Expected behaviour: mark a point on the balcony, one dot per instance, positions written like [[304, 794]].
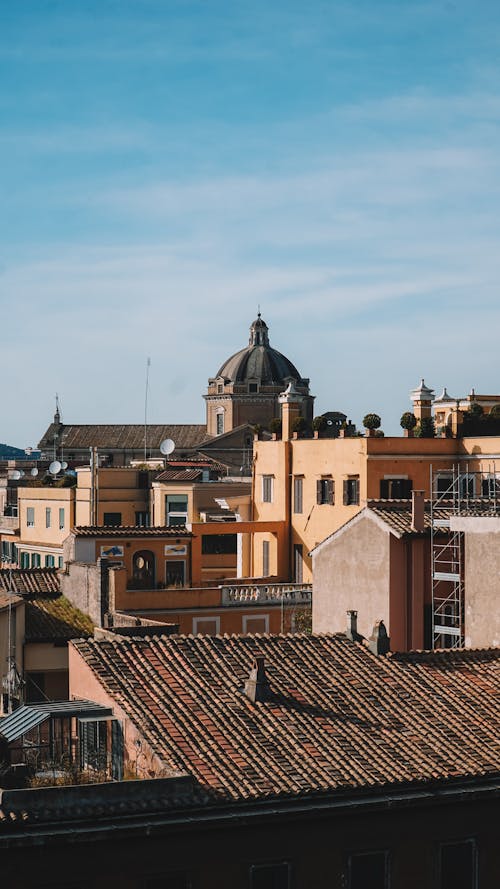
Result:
[[272, 594]]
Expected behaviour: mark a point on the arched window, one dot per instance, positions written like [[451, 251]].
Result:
[[143, 570], [220, 421]]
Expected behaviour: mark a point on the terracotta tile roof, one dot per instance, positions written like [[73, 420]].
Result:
[[179, 475], [7, 599], [397, 513], [130, 531], [338, 718], [126, 436], [30, 581], [55, 619]]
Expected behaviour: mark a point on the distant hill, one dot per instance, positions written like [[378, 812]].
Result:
[[7, 452]]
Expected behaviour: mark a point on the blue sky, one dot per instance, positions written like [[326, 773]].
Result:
[[166, 167]]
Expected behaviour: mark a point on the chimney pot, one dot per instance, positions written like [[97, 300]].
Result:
[[379, 642], [352, 626], [257, 685]]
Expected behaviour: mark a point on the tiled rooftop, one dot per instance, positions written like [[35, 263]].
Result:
[[179, 475], [127, 436], [397, 513], [130, 531], [30, 581], [338, 718], [55, 619]]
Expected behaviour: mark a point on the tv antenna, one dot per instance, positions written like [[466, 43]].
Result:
[[148, 365]]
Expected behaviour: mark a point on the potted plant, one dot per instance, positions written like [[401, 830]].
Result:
[[408, 422], [371, 422], [319, 424]]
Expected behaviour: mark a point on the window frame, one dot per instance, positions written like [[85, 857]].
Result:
[[268, 866], [48, 517], [266, 558], [30, 516], [112, 524], [325, 491], [247, 617], [267, 488], [365, 853], [62, 518], [198, 620], [298, 494], [467, 841], [351, 491]]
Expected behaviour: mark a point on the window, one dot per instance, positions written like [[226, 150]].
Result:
[[395, 488], [458, 865], [325, 491], [368, 869], [270, 876], [298, 485], [265, 558], [219, 544], [351, 491], [48, 517], [220, 422], [176, 509], [142, 519], [112, 519], [25, 560], [61, 519], [256, 623], [35, 560], [298, 563], [143, 570], [267, 488], [60, 561], [30, 516], [175, 572], [490, 487], [220, 388], [206, 626], [466, 485], [93, 747], [50, 561], [444, 484], [253, 387]]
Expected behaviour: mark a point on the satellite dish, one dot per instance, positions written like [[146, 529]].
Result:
[[54, 467], [16, 475], [64, 465], [21, 473], [34, 472], [167, 446]]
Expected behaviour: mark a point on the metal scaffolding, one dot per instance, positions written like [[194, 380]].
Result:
[[455, 491]]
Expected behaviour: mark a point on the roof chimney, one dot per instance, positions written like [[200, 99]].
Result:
[[257, 686], [417, 511], [379, 642], [352, 627]]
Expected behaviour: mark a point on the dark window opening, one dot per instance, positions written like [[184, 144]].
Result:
[[458, 868], [143, 570], [270, 876], [351, 491], [298, 563], [395, 488], [175, 573], [325, 491], [112, 519], [369, 869], [219, 544]]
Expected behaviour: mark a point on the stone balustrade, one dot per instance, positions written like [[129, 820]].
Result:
[[289, 593]]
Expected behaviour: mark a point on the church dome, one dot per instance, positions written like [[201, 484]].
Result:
[[259, 361]]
